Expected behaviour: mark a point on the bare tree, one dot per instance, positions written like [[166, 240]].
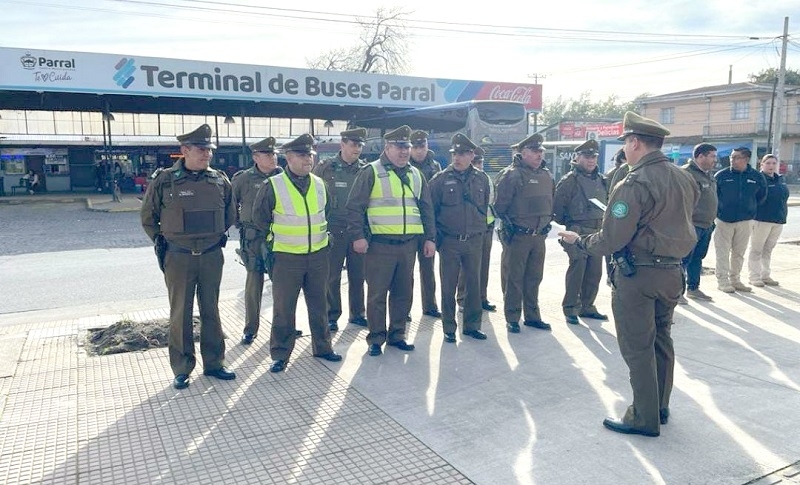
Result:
[[381, 48]]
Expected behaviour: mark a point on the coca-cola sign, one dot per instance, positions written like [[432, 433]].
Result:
[[528, 94]]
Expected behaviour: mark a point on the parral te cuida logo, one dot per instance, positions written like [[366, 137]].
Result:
[[31, 62], [125, 68]]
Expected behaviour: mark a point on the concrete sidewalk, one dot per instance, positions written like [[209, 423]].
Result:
[[94, 201], [521, 408]]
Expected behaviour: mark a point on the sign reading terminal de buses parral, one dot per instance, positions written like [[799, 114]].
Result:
[[38, 70]]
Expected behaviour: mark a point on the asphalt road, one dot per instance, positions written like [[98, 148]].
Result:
[[55, 256]]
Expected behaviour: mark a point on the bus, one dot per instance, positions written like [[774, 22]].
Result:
[[494, 125]]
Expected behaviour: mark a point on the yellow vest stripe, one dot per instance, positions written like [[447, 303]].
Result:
[[393, 208], [298, 222]]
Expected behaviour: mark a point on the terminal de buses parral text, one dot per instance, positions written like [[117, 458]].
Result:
[[279, 84]]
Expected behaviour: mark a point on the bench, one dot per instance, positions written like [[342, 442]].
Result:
[[23, 185]]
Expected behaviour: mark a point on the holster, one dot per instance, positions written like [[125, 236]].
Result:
[[160, 248]]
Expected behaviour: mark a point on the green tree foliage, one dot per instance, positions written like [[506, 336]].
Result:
[[381, 48], [584, 108], [771, 74]]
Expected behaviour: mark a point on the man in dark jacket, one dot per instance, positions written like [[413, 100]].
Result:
[[740, 189]]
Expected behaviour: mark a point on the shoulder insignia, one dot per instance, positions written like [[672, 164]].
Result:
[[619, 210]]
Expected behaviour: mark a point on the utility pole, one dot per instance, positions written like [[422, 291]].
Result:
[[536, 77], [777, 134]]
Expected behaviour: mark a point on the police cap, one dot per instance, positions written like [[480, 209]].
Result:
[[399, 136], [479, 153], [358, 135], [419, 138], [267, 145], [461, 144], [590, 147], [200, 137], [534, 142], [634, 124], [302, 144]]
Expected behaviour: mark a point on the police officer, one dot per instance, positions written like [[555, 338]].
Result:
[[488, 237], [460, 196], [291, 208], [339, 173], [422, 159], [580, 200], [648, 227], [388, 211], [186, 211], [245, 186], [524, 203]]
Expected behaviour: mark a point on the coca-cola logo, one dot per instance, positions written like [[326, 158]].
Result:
[[520, 94]]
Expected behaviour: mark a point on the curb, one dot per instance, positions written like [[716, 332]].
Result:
[[116, 207]]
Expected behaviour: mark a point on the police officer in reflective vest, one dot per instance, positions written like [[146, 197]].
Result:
[[422, 159], [460, 196], [339, 173], [524, 203], [580, 200], [245, 186], [648, 227], [186, 211], [488, 238], [389, 209], [291, 209]]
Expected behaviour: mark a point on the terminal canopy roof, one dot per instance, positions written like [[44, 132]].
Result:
[[75, 81]]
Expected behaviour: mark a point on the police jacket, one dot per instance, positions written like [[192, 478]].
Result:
[[339, 177], [650, 213], [429, 166], [706, 209], [524, 196], [774, 207], [572, 205], [739, 193], [191, 209], [266, 200], [359, 201], [460, 201], [245, 184]]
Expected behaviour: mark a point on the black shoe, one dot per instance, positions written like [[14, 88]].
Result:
[[488, 306], [181, 381], [330, 357], [332, 325], [663, 415], [512, 327], [435, 313], [402, 345], [375, 349], [476, 334], [595, 316], [247, 338], [408, 317], [537, 324], [572, 320], [620, 427], [360, 321], [221, 373], [278, 366], [450, 337], [298, 333]]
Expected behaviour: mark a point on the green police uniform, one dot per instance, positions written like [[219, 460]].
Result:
[[192, 210], [649, 216], [574, 209], [460, 202], [292, 211], [524, 203], [246, 184], [428, 167], [391, 207], [339, 177]]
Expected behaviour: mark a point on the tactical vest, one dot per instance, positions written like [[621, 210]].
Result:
[[298, 222], [392, 204], [194, 208], [533, 206], [580, 208]]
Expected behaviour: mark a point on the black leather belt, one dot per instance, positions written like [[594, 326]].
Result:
[[172, 247], [390, 241], [655, 261], [464, 237], [525, 230]]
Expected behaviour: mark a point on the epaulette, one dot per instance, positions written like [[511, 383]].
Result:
[[156, 173], [630, 177]]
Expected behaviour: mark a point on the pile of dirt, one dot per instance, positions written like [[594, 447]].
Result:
[[130, 336]]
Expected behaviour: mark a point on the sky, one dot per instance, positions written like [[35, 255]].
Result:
[[623, 48]]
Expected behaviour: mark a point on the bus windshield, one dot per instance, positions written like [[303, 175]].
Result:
[[500, 113]]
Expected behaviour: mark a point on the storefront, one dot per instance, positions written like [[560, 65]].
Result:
[[50, 164]]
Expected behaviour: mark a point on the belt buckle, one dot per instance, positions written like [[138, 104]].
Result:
[[196, 253], [463, 237]]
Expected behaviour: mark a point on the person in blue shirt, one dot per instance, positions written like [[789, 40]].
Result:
[[768, 223]]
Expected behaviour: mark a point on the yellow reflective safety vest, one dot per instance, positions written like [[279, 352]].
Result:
[[393, 208], [490, 209], [298, 222]]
